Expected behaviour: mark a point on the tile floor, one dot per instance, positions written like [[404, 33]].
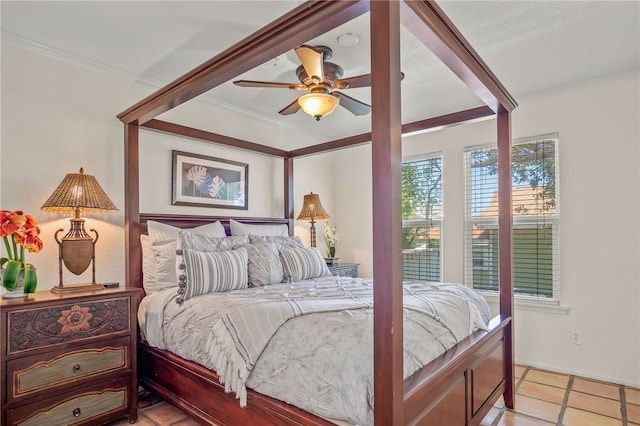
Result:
[[543, 398]]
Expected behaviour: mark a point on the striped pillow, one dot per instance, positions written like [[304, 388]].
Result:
[[303, 263], [209, 272]]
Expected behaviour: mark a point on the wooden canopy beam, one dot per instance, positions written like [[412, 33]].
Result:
[[190, 132], [442, 38]]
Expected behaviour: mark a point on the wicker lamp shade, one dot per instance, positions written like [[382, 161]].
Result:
[[79, 191], [312, 210]]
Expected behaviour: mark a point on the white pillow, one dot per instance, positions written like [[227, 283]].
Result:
[[238, 228], [163, 238], [303, 263], [148, 265], [209, 272]]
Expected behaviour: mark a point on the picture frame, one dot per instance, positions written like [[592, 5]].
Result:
[[203, 181]]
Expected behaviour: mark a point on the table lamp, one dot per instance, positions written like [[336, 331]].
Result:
[[312, 210], [78, 193]]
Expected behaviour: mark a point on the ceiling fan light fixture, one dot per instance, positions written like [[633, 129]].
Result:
[[318, 105]]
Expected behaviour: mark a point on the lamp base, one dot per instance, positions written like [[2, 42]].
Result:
[[76, 288]]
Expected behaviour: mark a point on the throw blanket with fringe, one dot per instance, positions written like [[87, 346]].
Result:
[[236, 326]]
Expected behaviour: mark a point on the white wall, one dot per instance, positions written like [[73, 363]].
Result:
[[58, 117], [599, 159]]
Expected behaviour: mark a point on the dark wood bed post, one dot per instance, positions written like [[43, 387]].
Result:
[[133, 250], [386, 153], [505, 225], [288, 192]]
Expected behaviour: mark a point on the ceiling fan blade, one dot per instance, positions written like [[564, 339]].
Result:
[[312, 62], [272, 84], [292, 108], [358, 81], [352, 82], [355, 106]]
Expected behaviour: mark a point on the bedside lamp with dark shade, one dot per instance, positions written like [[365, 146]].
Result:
[[78, 193], [312, 210]]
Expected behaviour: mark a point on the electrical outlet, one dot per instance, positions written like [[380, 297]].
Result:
[[576, 337]]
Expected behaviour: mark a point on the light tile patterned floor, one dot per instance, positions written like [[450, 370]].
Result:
[[543, 398], [546, 398]]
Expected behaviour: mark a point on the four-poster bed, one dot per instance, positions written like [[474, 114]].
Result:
[[458, 387]]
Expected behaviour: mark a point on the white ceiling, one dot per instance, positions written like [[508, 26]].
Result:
[[531, 46]]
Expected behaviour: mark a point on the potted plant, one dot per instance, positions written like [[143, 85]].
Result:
[[19, 232]]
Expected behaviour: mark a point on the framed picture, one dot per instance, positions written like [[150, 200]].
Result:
[[204, 181]]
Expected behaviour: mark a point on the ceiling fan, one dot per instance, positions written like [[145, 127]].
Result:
[[321, 80]]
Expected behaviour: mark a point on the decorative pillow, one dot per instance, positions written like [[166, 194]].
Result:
[[264, 264], [194, 241], [303, 263], [163, 238], [208, 272], [191, 241], [148, 265], [279, 241], [161, 232], [238, 228]]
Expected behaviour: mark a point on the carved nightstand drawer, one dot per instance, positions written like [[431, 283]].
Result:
[[29, 375], [35, 328], [86, 407]]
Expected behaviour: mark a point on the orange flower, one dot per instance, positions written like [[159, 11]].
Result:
[[27, 235], [10, 222], [75, 319]]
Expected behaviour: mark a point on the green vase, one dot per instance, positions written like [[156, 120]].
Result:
[[332, 252], [18, 279], [30, 278]]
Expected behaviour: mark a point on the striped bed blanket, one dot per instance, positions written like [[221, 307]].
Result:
[[228, 332]]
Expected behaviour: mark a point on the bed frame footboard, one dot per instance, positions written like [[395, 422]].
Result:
[[461, 386]]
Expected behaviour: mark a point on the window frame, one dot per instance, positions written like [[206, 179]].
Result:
[[519, 222]]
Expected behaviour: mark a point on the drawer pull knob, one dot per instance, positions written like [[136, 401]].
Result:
[[76, 368], [76, 412]]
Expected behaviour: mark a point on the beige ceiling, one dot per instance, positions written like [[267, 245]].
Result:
[[531, 46]]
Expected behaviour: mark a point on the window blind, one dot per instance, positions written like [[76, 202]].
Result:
[[422, 218], [535, 217]]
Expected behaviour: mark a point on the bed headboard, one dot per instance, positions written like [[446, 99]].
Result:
[[191, 221]]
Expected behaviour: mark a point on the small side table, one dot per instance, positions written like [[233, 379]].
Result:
[[345, 270]]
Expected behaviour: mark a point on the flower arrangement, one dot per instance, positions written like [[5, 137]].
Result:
[[331, 237], [19, 232]]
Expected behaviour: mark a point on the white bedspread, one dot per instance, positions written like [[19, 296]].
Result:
[[308, 343]]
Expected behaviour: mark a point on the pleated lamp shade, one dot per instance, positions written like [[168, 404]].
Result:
[[312, 208]]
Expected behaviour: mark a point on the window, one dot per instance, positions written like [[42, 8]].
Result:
[[421, 218], [535, 218]]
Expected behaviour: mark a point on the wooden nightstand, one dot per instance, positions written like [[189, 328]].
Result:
[[69, 359], [345, 270]]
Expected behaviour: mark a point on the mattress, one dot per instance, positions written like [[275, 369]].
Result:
[[308, 343]]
